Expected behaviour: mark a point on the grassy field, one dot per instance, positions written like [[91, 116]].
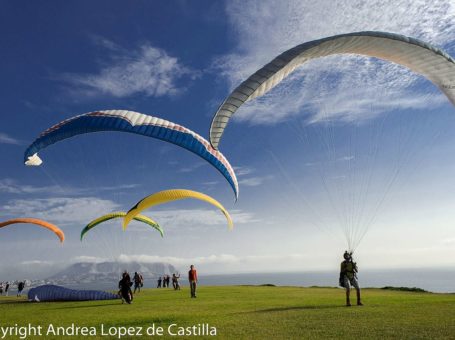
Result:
[[251, 312]]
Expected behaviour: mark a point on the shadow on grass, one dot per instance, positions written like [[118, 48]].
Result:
[[88, 306], [284, 309], [13, 302]]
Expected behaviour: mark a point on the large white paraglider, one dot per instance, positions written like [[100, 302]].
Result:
[[420, 57], [342, 160]]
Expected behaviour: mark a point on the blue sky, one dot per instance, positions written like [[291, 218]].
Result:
[[300, 178]]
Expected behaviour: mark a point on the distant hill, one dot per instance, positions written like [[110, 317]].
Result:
[[86, 272]]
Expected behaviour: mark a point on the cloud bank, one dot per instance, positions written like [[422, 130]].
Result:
[[60, 210]]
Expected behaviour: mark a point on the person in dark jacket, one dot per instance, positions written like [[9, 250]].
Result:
[[124, 286], [348, 278], [20, 288], [137, 278]]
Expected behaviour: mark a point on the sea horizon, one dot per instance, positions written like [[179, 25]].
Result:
[[441, 280]]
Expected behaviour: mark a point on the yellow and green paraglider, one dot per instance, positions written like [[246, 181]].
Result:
[[107, 217], [169, 196], [56, 230]]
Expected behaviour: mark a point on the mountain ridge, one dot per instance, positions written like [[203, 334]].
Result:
[[87, 272]]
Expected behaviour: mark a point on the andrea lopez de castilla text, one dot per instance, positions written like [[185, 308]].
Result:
[[118, 331]]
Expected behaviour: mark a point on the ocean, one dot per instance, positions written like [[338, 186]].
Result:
[[438, 281]]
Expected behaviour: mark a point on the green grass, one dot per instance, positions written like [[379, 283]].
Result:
[[256, 312]]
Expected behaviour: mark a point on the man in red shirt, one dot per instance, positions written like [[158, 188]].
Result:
[[192, 277]]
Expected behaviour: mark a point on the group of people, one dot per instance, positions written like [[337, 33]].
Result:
[[165, 280], [126, 283], [348, 279], [192, 278], [5, 286]]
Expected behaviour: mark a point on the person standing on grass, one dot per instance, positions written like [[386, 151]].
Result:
[[125, 288], [6, 288], [175, 281], [192, 277], [20, 288], [348, 278], [159, 283], [137, 282]]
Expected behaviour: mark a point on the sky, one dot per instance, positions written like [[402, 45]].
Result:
[[346, 145]]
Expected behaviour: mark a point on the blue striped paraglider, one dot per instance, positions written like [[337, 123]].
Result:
[[137, 123]]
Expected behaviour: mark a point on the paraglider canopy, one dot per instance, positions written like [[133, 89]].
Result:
[[107, 217], [137, 123], [169, 196], [420, 57], [37, 222]]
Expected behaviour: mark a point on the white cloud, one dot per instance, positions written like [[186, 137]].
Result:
[[223, 258], [60, 210], [199, 218], [219, 259], [230, 263], [91, 259], [6, 139], [11, 186], [113, 187], [192, 168], [254, 181], [345, 158], [145, 258], [243, 170], [37, 263], [147, 70], [340, 87]]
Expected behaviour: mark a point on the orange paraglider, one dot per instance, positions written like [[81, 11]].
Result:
[[38, 222]]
